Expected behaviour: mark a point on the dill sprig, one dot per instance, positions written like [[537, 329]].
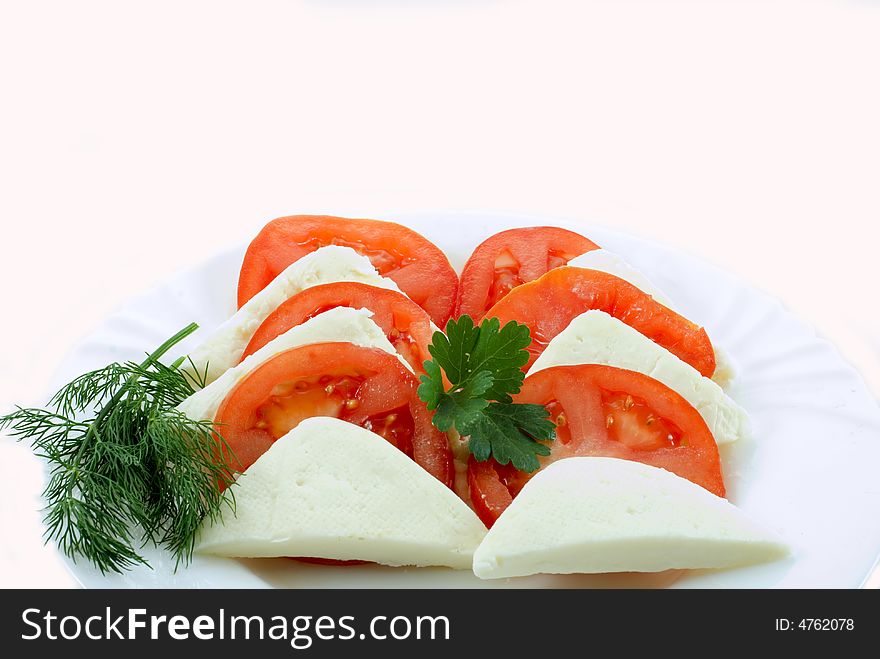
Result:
[[126, 467]]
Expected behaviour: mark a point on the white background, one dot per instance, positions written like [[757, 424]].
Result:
[[140, 138]]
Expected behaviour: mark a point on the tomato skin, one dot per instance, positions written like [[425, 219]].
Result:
[[416, 265], [384, 386], [583, 395], [548, 304], [406, 324], [510, 258], [314, 560], [489, 496]]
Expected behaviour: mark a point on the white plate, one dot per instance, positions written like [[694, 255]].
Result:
[[811, 473]]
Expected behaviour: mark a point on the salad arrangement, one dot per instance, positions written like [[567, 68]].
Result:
[[547, 411]]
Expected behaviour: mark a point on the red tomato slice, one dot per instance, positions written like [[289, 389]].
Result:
[[364, 386], [607, 412], [314, 560], [510, 258], [548, 304], [415, 264], [406, 324]]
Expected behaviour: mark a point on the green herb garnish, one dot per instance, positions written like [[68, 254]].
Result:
[[484, 367], [134, 469]]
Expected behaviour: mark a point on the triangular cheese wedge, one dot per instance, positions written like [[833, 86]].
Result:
[[330, 489], [591, 515], [594, 337]]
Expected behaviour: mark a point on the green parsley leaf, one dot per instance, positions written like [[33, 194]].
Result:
[[478, 384], [465, 351], [431, 389], [504, 431], [451, 351], [483, 366], [458, 410], [533, 420], [503, 353]]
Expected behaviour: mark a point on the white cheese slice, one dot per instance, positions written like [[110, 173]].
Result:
[[224, 348], [335, 325], [591, 515], [330, 489], [614, 264], [595, 337]]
